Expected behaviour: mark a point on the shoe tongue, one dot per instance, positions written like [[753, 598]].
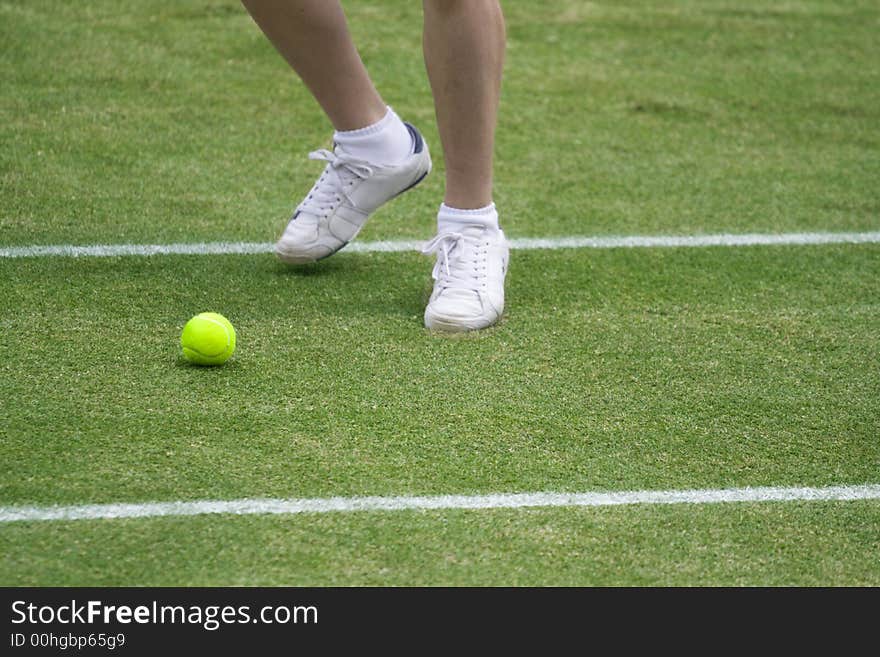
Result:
[[461, 300]]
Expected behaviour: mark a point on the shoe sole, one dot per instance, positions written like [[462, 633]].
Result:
[[445, 325]]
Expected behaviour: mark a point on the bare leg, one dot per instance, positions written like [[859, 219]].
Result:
[[313, 37], [464, 53]]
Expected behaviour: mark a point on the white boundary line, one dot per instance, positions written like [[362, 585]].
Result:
[[440, 502], [632, 241]]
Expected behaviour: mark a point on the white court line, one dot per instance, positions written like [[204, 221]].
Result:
[[439, 502], [631, 241]]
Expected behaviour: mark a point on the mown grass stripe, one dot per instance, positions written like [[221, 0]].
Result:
[[439, 502], [552, 243]]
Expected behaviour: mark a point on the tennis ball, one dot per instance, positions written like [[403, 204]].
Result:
[[208, 339]]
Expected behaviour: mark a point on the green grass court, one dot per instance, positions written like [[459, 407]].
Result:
[[162, 122]]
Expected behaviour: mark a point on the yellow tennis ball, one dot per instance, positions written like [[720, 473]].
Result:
[[208, 339]]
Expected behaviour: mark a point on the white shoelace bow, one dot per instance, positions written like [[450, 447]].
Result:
[[461, 261], [341, 172]]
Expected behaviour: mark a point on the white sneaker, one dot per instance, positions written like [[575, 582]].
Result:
[[468, 279], [343, 198]]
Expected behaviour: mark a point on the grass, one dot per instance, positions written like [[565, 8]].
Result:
[[762, 545], [152, 121], [612, 370], [691, 371]]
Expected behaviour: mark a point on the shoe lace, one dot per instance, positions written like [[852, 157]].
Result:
[[461, 261], [342, 171]]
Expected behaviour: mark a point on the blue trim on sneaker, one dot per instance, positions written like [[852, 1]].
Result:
[[418, 142]]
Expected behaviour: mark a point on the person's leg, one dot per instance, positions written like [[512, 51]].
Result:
[[313, 36], [464, 53], [464, 44], [375, 157]]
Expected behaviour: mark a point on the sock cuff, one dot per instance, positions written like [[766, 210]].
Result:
[[450, 217], [371, 129], [385, 143], [446, 210]]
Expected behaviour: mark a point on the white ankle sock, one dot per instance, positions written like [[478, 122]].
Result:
[[385, 142], [449, 219]]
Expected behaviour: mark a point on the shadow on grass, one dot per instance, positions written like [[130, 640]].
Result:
[[321, 268], [348, 286], [182, 363], [360, 285]]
